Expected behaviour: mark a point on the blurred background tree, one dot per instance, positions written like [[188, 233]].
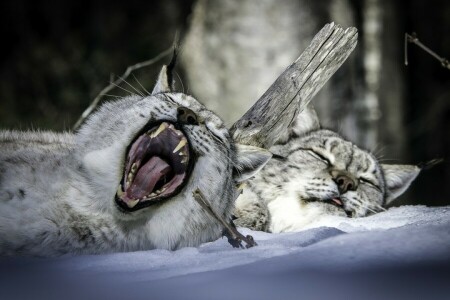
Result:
[[56, 57]]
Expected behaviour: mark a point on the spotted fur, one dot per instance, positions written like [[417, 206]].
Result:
[[296, 188]]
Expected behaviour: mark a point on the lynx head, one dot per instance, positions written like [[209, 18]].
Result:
[[143, 157], [326, 172]]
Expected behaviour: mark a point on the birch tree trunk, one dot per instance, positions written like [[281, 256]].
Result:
[[391, 92], [369, 106], [235, 49]]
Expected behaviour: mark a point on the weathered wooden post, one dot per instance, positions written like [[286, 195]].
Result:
[[271, 115]]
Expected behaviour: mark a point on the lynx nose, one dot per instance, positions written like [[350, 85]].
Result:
[[344, 181], [186, 116]]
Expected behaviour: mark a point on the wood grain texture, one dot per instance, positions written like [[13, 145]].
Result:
[[270, 116]]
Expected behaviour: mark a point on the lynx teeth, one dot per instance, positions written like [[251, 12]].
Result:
[[132, 203], [161, 128], [133, 168], [161, 190], [119, 191], [180, 145], [129, 177]]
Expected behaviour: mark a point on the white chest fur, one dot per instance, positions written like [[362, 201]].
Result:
[[288, 214]]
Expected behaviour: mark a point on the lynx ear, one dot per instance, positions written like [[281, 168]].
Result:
[[305, 122], [165, 81], [398, 178], [163, 84], [250, 160]]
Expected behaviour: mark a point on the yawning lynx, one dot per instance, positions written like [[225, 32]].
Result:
[[124, 182], [316, 173]]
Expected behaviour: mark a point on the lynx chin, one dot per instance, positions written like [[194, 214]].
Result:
[[124, 181], [316, 174]]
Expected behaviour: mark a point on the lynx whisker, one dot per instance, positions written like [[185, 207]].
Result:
[[135, 78], [124, 89], [383, 160], [354, 201], [110, 95], [378, 152], [181, 82], [129, 84]]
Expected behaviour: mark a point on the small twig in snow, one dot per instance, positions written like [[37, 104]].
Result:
[[234, 237], [412, 38]]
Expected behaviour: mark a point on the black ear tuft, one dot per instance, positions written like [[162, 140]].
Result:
[[429, 164], [173, 61], [165, 82]]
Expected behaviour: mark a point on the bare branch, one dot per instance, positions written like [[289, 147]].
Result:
[[412, 38], [117, 82]]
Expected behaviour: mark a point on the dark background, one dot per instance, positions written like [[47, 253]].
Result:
[[57, 56]]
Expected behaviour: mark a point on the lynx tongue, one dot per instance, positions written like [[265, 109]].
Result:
[[147, 177], [337, 201]]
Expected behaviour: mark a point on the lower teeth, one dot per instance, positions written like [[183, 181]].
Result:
[[119, 191], [132, 203]]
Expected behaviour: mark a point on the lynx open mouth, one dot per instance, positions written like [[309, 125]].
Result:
[[340, 204], [156, 168], [335, 201]]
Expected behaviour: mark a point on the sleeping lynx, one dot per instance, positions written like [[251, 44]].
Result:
[[124, 182], [315, 174]]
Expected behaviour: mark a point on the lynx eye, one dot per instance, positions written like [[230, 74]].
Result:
[[368, 182], [319, 156]]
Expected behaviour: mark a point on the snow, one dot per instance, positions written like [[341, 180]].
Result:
[[403, 253]]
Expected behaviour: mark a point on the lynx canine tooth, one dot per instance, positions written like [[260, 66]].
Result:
[[161, 128], [119, 191], [129, 177], [180, 145], [133, 168], [184, 160], [132, 203]]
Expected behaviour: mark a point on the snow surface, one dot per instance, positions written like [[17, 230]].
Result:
[[403, 253]]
